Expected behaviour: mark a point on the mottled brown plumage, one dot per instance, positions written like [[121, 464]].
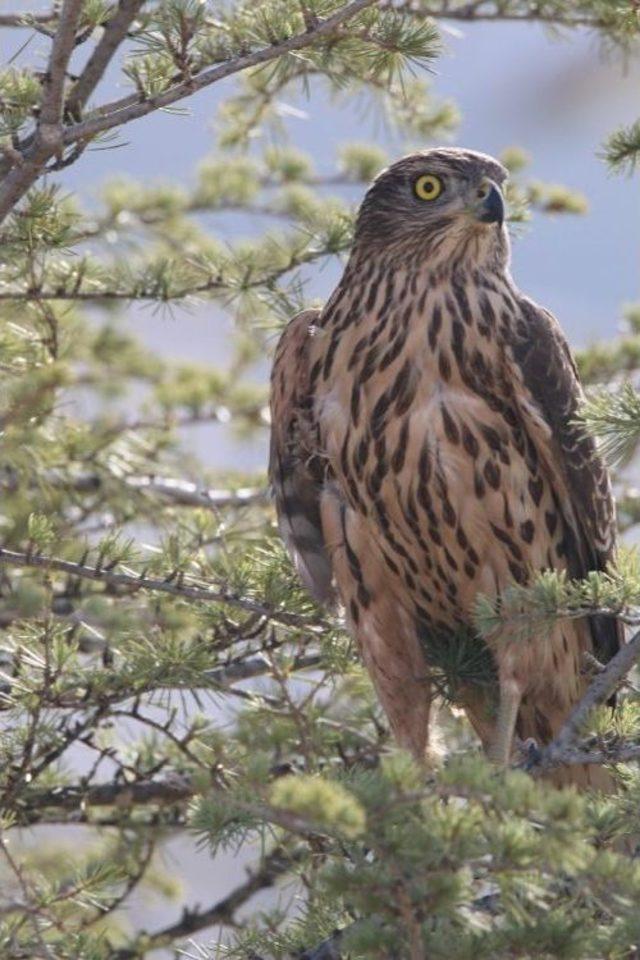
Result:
[[425, 450]]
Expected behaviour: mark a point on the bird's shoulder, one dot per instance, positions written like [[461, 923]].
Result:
[[549, 375], [291, 360], [543, 353], [290, 374]]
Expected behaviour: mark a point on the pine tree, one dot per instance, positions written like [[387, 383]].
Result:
[[133, 598]]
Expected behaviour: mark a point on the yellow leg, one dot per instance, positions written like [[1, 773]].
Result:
[[502, 742]]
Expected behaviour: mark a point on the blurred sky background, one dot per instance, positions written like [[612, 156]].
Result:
[[515, 84], [555, 94]]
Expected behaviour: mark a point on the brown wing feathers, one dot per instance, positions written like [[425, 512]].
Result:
[[295, 469], [550, 375]]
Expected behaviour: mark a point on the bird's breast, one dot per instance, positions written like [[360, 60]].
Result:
[[421, 428], [420, 381]]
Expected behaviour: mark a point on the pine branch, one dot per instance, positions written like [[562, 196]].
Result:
[[122, 795], [51, 135], [179, 420], [628, 507], [560, 750], [223, 204], [614, 418], [48, 140], [215, 284], [27, 19], [222, 678], [257, 667], [622, 149], [176, 588], [185, 494], [115, 32], [35, 912], [478, 11], [329, 949], [274, 866], [174, 490]]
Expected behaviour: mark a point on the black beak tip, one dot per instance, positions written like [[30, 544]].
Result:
[[492, 208]]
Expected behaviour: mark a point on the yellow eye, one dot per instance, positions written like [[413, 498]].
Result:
[[428, 187]]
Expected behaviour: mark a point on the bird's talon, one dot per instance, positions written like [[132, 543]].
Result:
[[530, 752]]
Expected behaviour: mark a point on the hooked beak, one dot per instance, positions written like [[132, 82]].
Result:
[[489, 206]]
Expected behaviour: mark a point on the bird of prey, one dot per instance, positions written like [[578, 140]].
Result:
[[425, 449]]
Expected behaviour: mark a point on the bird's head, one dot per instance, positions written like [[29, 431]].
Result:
[[445, 205]]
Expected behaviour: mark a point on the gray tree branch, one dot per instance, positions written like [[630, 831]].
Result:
[[561, 750], [122, 795], [48, 141], [184, 493], [480, 11], [114, 33], [52, 135], [619, 753], [27, 19], [468, 12], [274, 866], [116, 114], [61, 50]]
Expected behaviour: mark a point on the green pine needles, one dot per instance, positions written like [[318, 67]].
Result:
[[162, 673]]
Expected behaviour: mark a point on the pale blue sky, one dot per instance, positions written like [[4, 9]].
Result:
[[514, 84]]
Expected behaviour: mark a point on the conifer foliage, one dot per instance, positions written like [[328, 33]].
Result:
[[162, 673]]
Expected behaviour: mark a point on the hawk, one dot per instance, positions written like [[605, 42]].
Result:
[[425, 450]]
